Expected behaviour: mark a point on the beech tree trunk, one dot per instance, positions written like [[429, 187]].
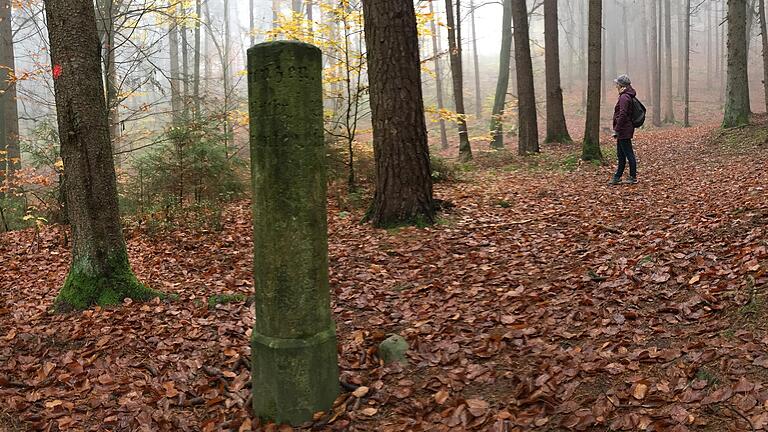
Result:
[[454, 46], [196, 79], [476, 60], [591, 144], [175, 75], [654, 52], [737, 86], [10, 156], [765, 51], [502, 85], [100, 272], [528, 136], [438, 76], [687, 62], [669, 112], [403, 178], [557, 131]]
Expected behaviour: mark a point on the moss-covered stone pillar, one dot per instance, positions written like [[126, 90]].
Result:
[[295, 365]]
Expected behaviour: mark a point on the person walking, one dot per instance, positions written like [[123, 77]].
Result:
[[624, 130]]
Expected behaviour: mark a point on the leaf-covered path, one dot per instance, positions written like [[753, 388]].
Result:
[[545, 300]]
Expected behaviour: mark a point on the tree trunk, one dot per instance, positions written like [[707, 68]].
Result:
[[403, 179], [765, 51], [669, 113], [557, 131], [737, 87], [196, 85], [10, 156], [184, 66], [655, 83], [252, 23], [454, 46], [709, 44], [528, 136], [687, 63], [502, 85], [227, 78], [106, 30], [476, 59], [644, 47], [296, 6], [176, 103], [591, 145], [438, 77], [100, 272]]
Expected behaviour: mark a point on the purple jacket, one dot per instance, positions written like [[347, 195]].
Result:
[[622, 115]]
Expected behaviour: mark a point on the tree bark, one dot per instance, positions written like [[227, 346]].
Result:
[[403, 178], [476, 60], [10, 156], [184, 66], [655, 83], [227, 78], [764, 34], [687, 63], [251, 23], [173, 40], [557, 131], [196, 79], [591, 144], [502, 85], [737, 86], [438, 76], [709, 44], [454, 46], [100, 272], [669, 112], [528, 136]]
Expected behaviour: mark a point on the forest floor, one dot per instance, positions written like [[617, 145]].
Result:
[[545, 300]]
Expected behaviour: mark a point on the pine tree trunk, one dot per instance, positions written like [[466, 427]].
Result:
[[655, 82], [100, 272], [557, 131], [669, 113], [591, 145], [502, 85], [454, 46], [476, 60], [687, 62], [438, 76], [764, 34], [528, 136], [10, 156], [737, 87], [403, 178]]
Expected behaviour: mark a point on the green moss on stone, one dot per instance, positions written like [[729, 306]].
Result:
[[86, 286]]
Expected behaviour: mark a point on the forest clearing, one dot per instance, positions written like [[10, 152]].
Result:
[[521, 312]]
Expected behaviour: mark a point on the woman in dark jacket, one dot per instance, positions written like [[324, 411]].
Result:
[[624, 130]]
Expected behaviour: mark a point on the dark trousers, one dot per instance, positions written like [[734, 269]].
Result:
[[625, 153]]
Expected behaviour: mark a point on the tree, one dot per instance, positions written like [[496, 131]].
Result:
[[591, 144], [669, 112], [765, 51], [528, 137], [655, 69], [687, 62], [438, 75], [476, 61], [403, 178], [497, 126], [10, 156], [454, 46], [557, 131], [737, 87], [100, 272]]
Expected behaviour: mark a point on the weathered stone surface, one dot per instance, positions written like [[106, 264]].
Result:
[[393, 349], [295, 366]]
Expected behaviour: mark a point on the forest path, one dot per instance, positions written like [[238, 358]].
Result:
[[545, 300]]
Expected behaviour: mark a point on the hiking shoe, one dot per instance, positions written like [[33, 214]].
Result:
[[615, 181], [631, 180]]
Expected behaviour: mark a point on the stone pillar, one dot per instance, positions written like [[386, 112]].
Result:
[[293, 347]]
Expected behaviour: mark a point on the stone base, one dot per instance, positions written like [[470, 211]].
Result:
[[293, 379]]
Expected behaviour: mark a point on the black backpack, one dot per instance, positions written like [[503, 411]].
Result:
[[638, 113]]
